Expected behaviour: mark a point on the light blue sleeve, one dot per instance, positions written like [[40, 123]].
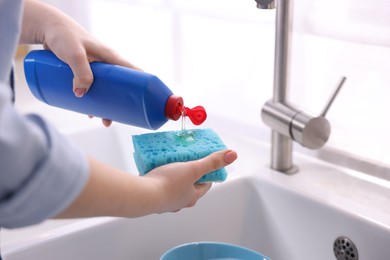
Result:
[[41, 172]]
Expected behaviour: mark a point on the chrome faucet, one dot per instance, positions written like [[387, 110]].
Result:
[[288, 123]]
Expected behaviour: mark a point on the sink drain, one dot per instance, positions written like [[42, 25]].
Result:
[[345, 249]]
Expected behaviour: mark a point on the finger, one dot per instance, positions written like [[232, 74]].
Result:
[[213, 162], [83, 77], [106, 122], [203, 188]]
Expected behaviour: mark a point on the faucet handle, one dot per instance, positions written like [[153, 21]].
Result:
[[333, 97], [313, 132], [310, 131]]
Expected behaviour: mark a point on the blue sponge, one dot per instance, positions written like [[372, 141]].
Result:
[[155, 149]]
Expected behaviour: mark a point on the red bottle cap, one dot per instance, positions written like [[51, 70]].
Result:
[[197, 114], [174, 108]]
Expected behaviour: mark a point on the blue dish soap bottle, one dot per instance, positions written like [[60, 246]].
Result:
[[118, 93]]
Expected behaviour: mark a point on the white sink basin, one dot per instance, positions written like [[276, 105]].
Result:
[[284, 217]]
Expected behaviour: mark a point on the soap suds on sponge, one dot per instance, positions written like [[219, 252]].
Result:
[[156, 149]]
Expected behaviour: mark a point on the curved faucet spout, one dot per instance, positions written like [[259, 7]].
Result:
[[288, 123]]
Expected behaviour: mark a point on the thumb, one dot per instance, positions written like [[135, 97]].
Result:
[[213, 162], [83, 77]]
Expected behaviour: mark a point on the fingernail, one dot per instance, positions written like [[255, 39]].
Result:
[[230, 156], [79, 92]]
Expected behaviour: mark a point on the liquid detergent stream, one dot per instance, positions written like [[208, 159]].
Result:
[[183, 122], [197, 116]]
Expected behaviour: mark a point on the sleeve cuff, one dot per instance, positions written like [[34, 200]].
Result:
[[58, 179]]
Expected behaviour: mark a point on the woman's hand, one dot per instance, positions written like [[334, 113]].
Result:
[[44, 24], [175, 183], [169, 188]]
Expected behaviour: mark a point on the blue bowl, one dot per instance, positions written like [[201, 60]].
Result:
[[211, 251]]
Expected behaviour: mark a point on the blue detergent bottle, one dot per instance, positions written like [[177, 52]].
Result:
[[118, 93]]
